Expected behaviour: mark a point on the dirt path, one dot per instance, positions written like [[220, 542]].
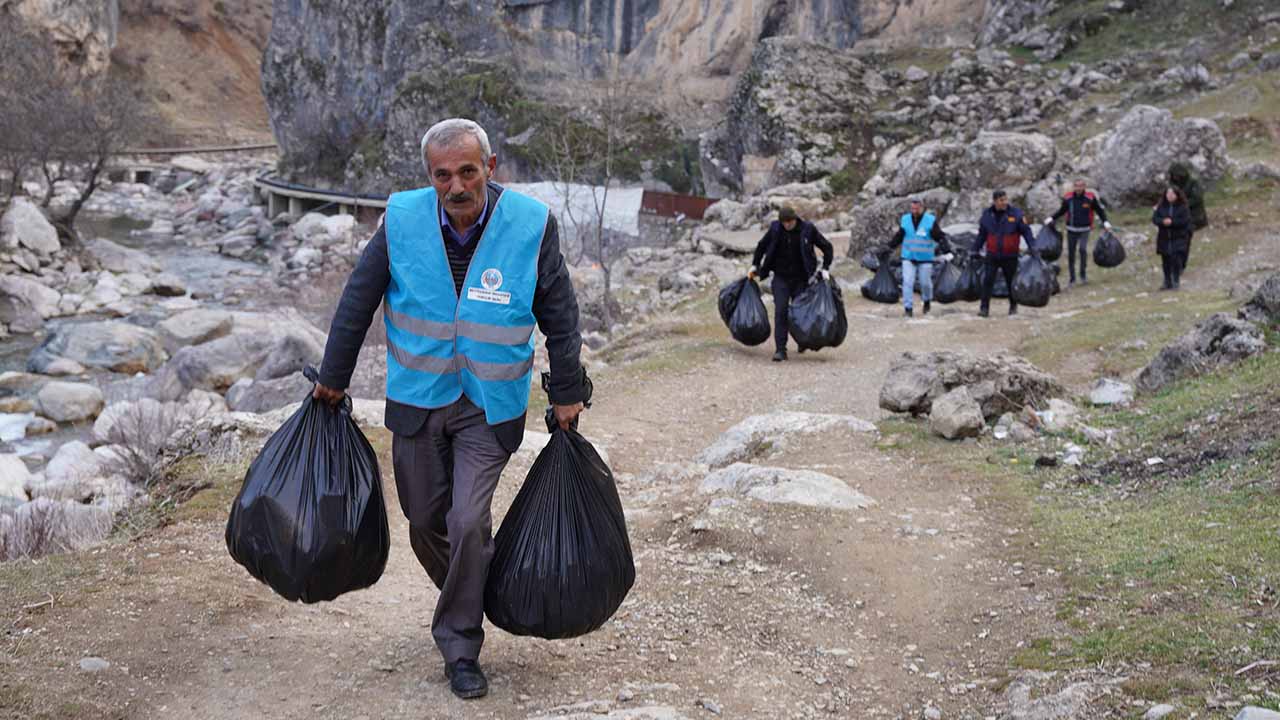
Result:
[[787, 612]]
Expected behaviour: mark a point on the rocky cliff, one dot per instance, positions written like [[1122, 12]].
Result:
[[84, 31], [350, 96]]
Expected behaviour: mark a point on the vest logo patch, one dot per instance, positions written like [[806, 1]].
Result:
[[489, 296], [491, 279]]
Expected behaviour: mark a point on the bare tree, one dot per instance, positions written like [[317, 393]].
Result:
[[59, 124], [587, 151]]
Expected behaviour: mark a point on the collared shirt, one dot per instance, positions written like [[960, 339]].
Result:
[[472, 232]]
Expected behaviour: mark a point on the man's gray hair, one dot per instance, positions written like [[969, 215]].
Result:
[[449, 132]]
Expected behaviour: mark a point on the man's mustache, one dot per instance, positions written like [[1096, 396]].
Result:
[[459, 197]]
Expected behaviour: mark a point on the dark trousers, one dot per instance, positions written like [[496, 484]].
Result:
[[1173, 264], [783, 290], [1081, 239], [445, 477], [1185, 255], [1007, 265]]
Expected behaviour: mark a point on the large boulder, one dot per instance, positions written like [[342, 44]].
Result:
[[932, 164], [23, 225], [120, 259], [260, 396], [956, 415], [69, 402], [1000, 160], [14, 477], [1131, 161], [1216, 341], [1264, 307], [45, 526], [192, 327], [998, 383], [782, 485], [117, 346], [25, 293]]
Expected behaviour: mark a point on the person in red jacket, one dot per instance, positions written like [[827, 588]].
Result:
[[1080, 206], [1000, 232]]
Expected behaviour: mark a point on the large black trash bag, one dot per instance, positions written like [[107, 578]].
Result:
[[1049, 243], [871, 258], [562, 562], [1033, 285], [882, 288], [1109, 252], [1057, 270], [971, 279], [744, 312], [310, 520], [816, 318], [949, 285]]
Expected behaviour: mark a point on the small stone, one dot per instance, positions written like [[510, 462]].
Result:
[[93, 664], [932, 713], [626, 695], [1256, 713], [710, 706], [1159, 711], [1111, 392]]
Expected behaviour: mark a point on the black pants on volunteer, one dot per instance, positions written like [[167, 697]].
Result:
[[1081, 239], [445, 478], [999, 263], [784, 289]]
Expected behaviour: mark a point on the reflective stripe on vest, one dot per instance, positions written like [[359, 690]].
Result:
[[917, 245], [440, 346]]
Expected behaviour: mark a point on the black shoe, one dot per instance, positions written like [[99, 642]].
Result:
[[1084, 281], [1013, 309], [927, 307], [1071, 283], [908, 312], [780, 356], [983, 312], [801, 351], [466, 679]]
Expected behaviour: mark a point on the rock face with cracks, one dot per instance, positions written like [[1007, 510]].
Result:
[[1216, 341], [998, 383]]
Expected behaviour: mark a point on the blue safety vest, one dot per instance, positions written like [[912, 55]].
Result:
[[440, 345], [917, 246]]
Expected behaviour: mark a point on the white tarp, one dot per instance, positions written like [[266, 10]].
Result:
[[621, 211]]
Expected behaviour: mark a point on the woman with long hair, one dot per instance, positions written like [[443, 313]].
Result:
[[1172, 217]]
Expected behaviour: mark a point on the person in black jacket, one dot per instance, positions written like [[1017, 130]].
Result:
[[786, 252], [448, 457], [1000, 232], [1080, 206], [1180, 177], [1173, 218]]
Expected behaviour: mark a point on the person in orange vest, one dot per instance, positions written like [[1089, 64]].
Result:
[[1080, 206]]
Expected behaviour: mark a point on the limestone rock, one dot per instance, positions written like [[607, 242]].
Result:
[[39, 298], [956, 415], [1264, 307], [1216, 341], [14, 477], [69, 402], [760, 432], [83, 31], [1132, 160], [167, 285], [1256, 713], [780, 485], [999, 160], [120, 259], [999, 383], [1110, 392], [932, 164], [260, 396], [112, 345], [23, 225], [192, 327]]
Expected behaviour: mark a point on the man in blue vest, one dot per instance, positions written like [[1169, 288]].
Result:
[[919, 235], [463, 271], [787, 252]]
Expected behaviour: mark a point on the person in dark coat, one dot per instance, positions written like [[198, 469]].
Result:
[[1173, 218], [787, 252], [1080, 207], [463, 270], [1000, 232], [1180, 177]]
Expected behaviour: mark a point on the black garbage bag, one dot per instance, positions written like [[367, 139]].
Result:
[[871, 259], [816, 318], [1109, 252], [562, 561], [1049, 243], [948, 287], [971, 279], [1057, 270], [310, 521], [744, 312], [882, 288], [1033, 285]]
